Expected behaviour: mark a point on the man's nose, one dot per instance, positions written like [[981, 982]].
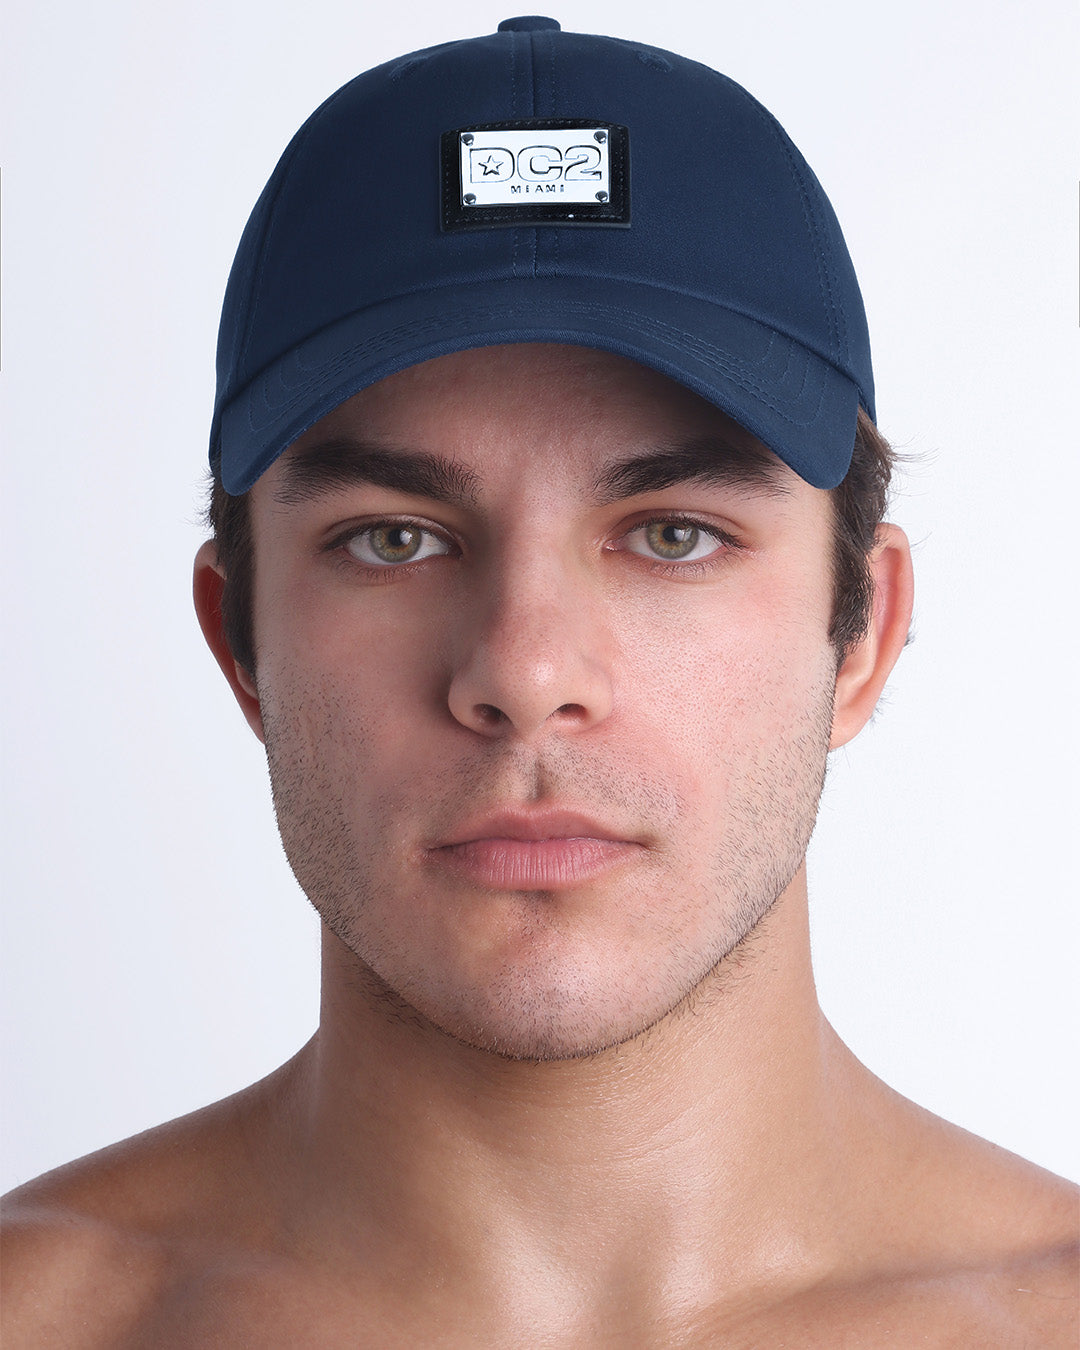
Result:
[[533, 655]]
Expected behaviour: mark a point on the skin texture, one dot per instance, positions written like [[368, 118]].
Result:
[[688, 714], [595, 1102]]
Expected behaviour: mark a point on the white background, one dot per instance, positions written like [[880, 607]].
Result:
[[157, 952]]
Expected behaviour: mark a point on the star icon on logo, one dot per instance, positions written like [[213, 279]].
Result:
[[490, 166]]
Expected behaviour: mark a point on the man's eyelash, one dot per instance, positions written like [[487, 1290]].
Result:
[[689, 522], [342, 537]]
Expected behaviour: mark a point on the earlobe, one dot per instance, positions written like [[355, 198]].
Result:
[[868, 664], [208, 587]]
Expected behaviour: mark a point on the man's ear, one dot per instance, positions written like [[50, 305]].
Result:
[[867, 666], [209, 583]]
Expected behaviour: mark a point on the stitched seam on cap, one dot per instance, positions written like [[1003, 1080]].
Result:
[[534, 83], [689, 341], [730, 366], [556, 235], [517, 113], [694, 296], [822, 254], [826, 258], [553, 72]]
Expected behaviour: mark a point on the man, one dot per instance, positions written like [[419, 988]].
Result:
[[549, 564]]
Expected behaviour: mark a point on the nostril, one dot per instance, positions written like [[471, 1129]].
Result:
[[487, 712]]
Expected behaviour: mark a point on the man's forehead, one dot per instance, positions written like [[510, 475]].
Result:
[[599, 416]]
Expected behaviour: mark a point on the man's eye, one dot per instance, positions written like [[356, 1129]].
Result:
[[673, 541], [392, 542]]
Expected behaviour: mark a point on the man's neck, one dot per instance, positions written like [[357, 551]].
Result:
[[713, 1142]]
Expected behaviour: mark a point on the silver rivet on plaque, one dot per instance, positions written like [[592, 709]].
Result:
[[470, 199], [467, 139], [601, 196], [600, 136]]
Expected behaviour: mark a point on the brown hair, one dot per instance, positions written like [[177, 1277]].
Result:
[[858, 508], [859, 505]]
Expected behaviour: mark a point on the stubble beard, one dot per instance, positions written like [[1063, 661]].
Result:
[[547, 1013]]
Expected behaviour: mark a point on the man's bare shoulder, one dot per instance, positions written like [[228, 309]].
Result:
[[93, 1248], [1023, 1280], [1026, 1301], [978, 1248], [977, 1245], [70, 1278], [969, 1194]]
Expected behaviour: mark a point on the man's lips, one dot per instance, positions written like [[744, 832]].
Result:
[[531, 826], [536, 850]]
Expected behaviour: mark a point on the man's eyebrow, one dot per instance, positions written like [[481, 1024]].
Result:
[[719, 463], [343, 462]]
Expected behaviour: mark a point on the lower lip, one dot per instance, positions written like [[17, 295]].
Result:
[[533, 864]]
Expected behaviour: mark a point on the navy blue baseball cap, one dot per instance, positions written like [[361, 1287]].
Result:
[[541, 186]]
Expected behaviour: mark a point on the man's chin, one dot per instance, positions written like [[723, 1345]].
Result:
[[544, 1021], [553, 1045], [517, 1017]]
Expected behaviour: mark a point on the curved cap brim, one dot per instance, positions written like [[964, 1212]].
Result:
[[798, 404]]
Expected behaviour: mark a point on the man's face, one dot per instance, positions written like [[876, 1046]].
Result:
[[546, 738]]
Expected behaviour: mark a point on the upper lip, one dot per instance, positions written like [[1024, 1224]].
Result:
[[534, 825]]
